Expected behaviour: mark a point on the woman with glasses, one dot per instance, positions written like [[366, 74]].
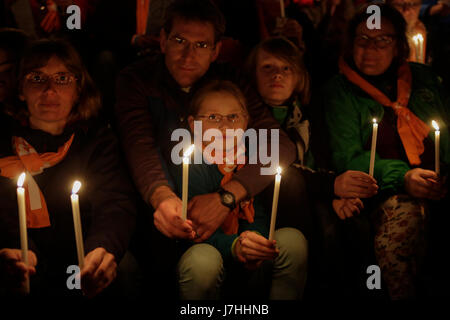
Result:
[[55, 139], [376, 82]]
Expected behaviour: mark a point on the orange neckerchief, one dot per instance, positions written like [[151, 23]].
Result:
[[28, 160], [244, 210], [142, 7], [411, 129]]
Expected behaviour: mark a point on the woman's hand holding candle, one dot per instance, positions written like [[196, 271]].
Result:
[[14, 269], [425, 184], [100, 269]]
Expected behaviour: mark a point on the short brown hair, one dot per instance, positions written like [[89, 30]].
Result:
[[38, 55], [196, 10], [223, 86], [286, 50]]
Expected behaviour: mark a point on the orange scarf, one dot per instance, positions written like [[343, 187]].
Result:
[[244, 210], [411, 129], [28, 160]]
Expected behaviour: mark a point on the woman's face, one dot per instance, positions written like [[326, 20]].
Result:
[[374, 49], [222, 111], [50, 93], [276, 79]]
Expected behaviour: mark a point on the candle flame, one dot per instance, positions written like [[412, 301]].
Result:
[[417, 38], [21, 180], [374, 120], [435, 125], [279, 170], [76, 187], [188, 152]]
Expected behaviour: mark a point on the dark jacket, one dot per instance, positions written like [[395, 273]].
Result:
[[107, 197]]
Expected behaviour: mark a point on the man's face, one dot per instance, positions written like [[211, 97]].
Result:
[[189, 49]]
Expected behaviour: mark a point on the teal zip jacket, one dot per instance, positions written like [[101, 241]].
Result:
[[349, 112]]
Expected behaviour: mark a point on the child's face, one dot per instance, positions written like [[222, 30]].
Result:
[[276, 79], [222, 111]]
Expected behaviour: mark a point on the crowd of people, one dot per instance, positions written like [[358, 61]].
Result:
[[101, 104]]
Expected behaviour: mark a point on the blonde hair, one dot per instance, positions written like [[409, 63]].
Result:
[[224, 86], [283, 49]]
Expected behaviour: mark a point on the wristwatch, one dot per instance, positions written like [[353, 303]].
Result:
[[227, 198]]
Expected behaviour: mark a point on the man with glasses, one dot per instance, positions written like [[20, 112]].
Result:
[[152, 100]]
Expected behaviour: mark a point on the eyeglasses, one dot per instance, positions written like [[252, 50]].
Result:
[[270, 69], [405, 5], [217, 118], [60, 79], [381, 42], [200, 47]]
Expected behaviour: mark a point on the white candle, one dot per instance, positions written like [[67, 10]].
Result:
[[23, 225], [374, 147], [283, 14], [77, 223], [418, 44], [186, 157], [436, 146], [276, 191]]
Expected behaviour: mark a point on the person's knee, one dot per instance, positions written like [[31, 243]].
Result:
[[293, 246], [201, 268]]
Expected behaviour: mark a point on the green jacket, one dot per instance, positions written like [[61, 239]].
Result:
[[349, 112]]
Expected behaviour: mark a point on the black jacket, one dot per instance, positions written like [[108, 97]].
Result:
[[107, 197]]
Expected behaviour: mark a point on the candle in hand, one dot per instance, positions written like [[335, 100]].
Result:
[[186, 157], [276, 191], [23, 225], [77, 223], [374, 147], [436, 146]]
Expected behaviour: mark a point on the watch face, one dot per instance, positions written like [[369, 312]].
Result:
[[228, 198]]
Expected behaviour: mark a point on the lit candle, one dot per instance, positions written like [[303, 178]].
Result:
[[23, 225], [418, 44], [186, 157], [276, 191], [436, 146], [374, 147], [283, 14], [77, 223]]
